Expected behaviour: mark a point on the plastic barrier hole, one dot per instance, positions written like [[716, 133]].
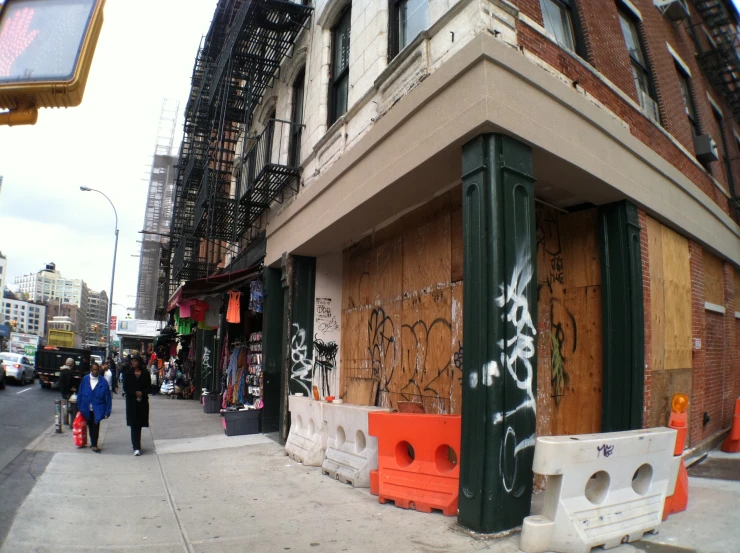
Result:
[[298, 422], [445, 458], [404, 454], [597, 487], [360, 441], [311, 428], [642, 479], [341, 436]]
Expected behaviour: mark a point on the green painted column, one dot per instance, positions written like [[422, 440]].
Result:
[[272, 342], [623, 317], [301, 325], [500, 322]]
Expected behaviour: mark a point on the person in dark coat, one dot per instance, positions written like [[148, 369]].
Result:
[[114, 371], [65, 379], [94, 402], [136, 386]]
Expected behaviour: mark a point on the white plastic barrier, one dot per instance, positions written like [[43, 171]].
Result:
[[602, 489], [351, 453], [307, 438]]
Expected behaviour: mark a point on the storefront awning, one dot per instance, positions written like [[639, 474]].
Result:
[[212, 285]]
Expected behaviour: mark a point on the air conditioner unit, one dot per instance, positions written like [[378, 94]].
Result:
[[674, 10], [649, 107], [706, 149]]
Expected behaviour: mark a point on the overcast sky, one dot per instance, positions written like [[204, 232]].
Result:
[[145, 54]]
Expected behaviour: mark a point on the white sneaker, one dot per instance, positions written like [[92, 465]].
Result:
[[137, 453]]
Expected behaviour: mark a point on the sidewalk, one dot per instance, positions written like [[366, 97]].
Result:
[[207, 493]]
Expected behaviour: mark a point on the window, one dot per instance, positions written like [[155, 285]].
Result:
[[688, 101], [558, 20], [722, 147], [408, 19], [640, 71], [294, 157], [339, 81]]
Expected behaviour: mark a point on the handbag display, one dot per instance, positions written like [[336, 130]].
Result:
[[79, 430]]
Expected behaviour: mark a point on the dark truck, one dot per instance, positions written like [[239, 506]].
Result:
[[50, 358]]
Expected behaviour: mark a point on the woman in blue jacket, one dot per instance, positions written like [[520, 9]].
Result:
[[94, 402]]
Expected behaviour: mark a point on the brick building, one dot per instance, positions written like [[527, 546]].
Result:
[[580, 157]]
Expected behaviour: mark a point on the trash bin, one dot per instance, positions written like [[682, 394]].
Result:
[[212, 403], [239, 423]]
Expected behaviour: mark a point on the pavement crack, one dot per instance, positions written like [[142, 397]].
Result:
[[183, 535]]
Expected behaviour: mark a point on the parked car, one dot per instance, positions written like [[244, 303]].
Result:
[[18, 367], [2, 375], [96, 359]]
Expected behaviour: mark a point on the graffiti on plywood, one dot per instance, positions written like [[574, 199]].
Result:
[[548, 240], [325, 358], [422, 377], [381, 346], [559, 340], [516, 354], [302, 365]]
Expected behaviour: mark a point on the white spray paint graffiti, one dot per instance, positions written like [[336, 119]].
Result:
[[302, 364], [517, 350]]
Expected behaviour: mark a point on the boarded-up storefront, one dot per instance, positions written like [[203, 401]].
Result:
[[569, 360]]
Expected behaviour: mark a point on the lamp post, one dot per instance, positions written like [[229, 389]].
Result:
[[113, 271]]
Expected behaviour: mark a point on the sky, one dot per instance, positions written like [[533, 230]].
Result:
[[145, 54]]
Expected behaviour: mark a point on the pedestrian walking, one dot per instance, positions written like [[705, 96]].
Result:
[[108, 375], [66, 386], [114, 373], [136, 385], [94, 402]]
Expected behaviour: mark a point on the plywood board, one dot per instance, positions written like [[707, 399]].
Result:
[[663, 385], [355, 360], [657, 294], [457, 349], [359, 273], [549, 248], [383, 331], [581, 265], [576, 323], [361, 391], [389, 265], [427, 253], [426, 351], [456, 245], [545, 402], [713, 279], [677, 276]]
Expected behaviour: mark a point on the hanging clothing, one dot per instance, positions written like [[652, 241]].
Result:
[[185, 309], [198, 311], [233, 315]]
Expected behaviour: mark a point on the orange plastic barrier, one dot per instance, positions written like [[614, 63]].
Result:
[[732, 443], [680, 499], [417, 460]]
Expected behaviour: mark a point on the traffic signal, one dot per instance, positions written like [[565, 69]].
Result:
[[46, 49]]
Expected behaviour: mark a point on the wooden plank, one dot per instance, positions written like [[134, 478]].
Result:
[[713, 279], [361, 391], [657, 294], [355, 360], [389, 256], [426, 249], [677, 277], [580, 264], [426, 351], [545, 401], [577, 332], [456, 318]]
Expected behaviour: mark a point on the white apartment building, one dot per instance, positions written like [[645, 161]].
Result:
[[3, 271], [49, 285], [29, 317]]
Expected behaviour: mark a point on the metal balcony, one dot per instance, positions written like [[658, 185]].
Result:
[[186, 261], [269, 167], [721, 61]]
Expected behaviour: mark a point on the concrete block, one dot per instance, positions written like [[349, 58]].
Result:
[[307, 438], [351, 453], [602, 489]]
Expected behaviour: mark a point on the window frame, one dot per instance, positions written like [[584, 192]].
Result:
[[394, 27], [336, 77], [296, 128], [571, 7], [687, 94], [643, 65]]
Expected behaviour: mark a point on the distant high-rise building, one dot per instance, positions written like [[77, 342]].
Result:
[[97, 317], [24, 316]]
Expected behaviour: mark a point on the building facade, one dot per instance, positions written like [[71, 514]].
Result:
[[423, 170], [66, 311], [24, 316], [3, 271], [49, 286], [97, 317]]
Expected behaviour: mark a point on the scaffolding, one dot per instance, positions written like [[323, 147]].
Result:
[[223, 187], [151, 291]]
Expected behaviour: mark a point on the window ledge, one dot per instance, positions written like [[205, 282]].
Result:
[[714, 307], [737, 314]]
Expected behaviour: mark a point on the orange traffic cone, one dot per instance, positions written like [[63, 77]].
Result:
[[678, 421], [732, 443]]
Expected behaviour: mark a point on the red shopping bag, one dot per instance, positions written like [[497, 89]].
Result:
[[79, 430]]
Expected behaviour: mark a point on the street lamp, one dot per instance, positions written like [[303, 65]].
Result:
[[113, 271]]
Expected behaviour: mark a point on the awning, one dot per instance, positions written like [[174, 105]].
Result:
[[212, 285]]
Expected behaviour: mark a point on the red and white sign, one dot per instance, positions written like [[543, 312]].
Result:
[[113, 322]]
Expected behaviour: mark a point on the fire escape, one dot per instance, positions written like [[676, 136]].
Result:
[[721, 60], [238, 59]]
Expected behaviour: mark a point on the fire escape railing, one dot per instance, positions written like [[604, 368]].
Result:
[[238, 60]]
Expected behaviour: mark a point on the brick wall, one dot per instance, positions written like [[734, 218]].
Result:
[[714, 371], [698, 331], [648, 316], [607, 53], [731, 389]]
